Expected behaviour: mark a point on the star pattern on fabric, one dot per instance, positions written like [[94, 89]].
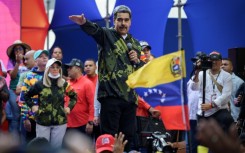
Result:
[[155, 91]]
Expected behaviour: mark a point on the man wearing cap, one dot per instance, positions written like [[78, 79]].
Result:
[[119, 55], [106, 143], [82, 115], [217, 92], [36, 74], [146, 48]]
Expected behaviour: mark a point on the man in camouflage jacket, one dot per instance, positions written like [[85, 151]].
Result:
[[119, 55]]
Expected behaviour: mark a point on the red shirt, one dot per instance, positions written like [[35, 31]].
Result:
[[143, 107], [94, 79], [83, 111]]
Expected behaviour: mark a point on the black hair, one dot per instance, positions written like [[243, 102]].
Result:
[[121, 9], [228, 59], [39, 145], [12, 54], [90, 59], [52, 50]]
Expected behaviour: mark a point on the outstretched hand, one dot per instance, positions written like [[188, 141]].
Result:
[[119, 143], [78, 19]]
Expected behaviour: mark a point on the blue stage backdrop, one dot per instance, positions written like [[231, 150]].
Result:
[[149, 20], [148, 23], [69, 36], [216, 24], [211, 25]]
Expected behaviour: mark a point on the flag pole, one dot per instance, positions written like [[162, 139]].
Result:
[[48, 8], [107, 18], [180, 36], [180, 47], [183, 99]]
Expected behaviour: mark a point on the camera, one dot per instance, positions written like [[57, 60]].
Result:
[[159, 142], [206, 63]]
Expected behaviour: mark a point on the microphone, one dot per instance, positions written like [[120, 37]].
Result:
[[130, 47]]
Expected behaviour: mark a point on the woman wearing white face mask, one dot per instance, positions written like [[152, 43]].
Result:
[[49, 111]]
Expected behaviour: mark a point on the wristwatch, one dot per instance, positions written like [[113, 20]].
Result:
[[213, 105], [90, 122]]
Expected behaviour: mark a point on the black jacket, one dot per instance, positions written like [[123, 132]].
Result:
[[241, 91], [114, 63]]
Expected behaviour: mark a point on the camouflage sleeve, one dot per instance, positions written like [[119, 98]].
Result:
[[24, 111], [31, 96], [24, 88], [70, 92], [22, 78], [23, 107], [94, 30], [138, 50]]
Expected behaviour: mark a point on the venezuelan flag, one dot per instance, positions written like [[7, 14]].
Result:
[[160, 83]]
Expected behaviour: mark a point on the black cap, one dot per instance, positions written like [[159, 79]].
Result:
[[215, 56], [144, 44], [75, 62]]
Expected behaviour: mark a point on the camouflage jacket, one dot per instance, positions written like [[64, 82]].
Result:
[[114, 63], [51, 102], [31, 78]]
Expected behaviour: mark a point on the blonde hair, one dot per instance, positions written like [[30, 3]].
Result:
[[47, 80]]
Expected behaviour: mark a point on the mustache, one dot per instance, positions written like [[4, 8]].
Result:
[[121, 27]]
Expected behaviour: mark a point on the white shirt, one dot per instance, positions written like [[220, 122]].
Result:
[[222, 99], [236, 83], [193, 98], [97, 105]]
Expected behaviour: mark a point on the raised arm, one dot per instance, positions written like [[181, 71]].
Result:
[[78, 19]]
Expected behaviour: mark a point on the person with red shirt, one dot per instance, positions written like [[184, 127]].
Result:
[[82, 115], [145, 110], [90, 73], [90, 70]]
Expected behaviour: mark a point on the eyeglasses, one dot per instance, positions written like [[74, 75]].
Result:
[[18, 48], [55, 67]]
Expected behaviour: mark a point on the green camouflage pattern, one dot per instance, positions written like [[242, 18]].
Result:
[[51, 103], [114, 63]]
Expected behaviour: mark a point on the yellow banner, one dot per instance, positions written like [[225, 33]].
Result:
[[162, 70]]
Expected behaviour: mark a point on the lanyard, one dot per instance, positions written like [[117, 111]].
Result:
[[216, 81]]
